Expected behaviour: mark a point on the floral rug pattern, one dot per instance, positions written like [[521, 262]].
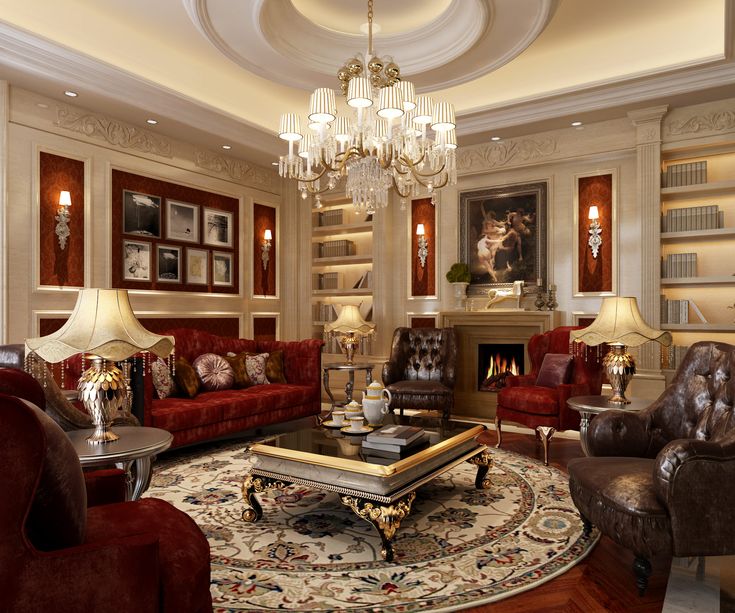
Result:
[[459, 547]]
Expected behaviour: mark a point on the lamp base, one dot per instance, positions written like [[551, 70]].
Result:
[[620, 367], [102, 392]]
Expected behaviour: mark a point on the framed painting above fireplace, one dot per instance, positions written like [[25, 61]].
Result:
[[502, 235]]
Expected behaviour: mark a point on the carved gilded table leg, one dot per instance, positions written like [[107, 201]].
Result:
[[386, 518], [252, 484], [483, 461]]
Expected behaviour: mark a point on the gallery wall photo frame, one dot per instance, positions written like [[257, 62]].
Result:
[[502, 235], [217, 227], [182, 221], [136, 260], [222, 272], [168, 269], [595, 271], [197, 266], [141, 214]]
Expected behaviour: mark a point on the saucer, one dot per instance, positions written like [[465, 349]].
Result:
[[330, 424], [363, 430]]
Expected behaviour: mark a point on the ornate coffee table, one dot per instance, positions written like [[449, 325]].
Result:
[[379, 493]]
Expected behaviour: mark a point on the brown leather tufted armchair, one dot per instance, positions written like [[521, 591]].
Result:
[[420, 371], [660, 480]]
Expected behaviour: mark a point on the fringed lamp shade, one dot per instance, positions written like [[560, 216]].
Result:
[[620, 325], [352, 326], [102, 324]]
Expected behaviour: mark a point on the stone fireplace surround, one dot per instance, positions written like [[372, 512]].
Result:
[[494, 326]]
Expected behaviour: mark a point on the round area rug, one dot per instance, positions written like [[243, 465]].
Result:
[[459, 546]]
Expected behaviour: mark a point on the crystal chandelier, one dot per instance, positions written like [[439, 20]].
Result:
[[384, 143]]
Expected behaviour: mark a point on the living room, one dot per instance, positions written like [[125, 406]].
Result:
[[576, 137]]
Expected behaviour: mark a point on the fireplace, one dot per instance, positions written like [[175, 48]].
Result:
[[496, 361]]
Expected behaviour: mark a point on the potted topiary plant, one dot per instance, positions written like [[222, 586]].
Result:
[[459, 276]]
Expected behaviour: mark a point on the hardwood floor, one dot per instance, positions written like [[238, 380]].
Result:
[[603, 581]]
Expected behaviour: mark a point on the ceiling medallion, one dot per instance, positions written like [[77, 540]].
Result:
[[384, 144]]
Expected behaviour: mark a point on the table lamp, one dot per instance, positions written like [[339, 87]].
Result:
[[352, 327], [620, 325], [102, 324]]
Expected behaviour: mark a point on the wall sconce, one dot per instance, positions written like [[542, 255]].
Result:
[[423, 252], [595, 230], [265, 249], [62, 219]]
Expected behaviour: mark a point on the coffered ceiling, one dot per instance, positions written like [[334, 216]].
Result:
[[224, 70]]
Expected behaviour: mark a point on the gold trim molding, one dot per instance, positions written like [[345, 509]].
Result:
[[512, 151], [237, 170]]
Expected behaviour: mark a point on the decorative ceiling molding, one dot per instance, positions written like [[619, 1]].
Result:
[[716, 121], [512, 152], [237, 170], [113, 131]]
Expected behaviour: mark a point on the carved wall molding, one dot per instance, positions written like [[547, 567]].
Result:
[[237, 170], [716, 121], [510, 152], [113, 131]]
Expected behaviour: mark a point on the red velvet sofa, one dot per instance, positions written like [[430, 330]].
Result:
[[210, 415]]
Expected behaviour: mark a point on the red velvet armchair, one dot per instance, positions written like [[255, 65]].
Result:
[[529, 401], [56, 554]]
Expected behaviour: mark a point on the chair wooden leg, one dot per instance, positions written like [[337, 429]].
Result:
[[500, 434], [642, 570], [546, 432]]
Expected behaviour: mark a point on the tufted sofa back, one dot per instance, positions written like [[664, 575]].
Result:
[[425, 354], [699, 402]]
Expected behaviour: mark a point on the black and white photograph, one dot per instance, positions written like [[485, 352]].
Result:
[[141, 214], [182, 221], [222, 268], [169, 264], [217, 227], [197, 266], [136, 261]]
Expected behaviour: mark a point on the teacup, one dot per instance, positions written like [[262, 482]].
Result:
[[338, 417], [356, 424]]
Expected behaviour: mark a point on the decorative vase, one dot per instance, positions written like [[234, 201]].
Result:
[[460, 295]]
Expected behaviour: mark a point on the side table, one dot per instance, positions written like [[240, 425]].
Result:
[[589, 406], [134, 448], [350, 386]]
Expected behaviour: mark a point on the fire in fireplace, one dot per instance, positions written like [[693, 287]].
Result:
[[496, 361]]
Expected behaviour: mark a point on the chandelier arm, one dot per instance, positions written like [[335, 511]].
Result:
[[416, 172], [398, 191], [319, 176]]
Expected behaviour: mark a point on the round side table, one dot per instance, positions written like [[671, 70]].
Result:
[[350, 385], [589, 406], [135, 447]]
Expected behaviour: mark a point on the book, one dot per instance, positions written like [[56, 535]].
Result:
[[394, 435], [395, 450], [393, 456]]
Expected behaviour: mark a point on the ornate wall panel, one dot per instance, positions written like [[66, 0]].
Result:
[[222, 326], [265, 327], [423, 278], [264, 279]]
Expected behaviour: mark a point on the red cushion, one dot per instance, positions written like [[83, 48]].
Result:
[[181, 413], [555, 370], [533, 399]]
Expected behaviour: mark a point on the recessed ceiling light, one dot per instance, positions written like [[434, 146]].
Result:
[[495, 138], [70, 93], [576, 124], [41, 105], [227, 147], [153, 122]]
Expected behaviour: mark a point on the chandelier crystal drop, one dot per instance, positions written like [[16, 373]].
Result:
[[381, 141]]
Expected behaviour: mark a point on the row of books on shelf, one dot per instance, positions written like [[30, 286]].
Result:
[[677, 311], [332, 217], [333, 249], [672, 356], [688, 173], [324, 311], [331, 344], [707, 217], [365, 280], [678, 265], [391, 443], [326, 280]]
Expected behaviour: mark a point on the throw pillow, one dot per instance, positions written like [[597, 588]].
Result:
[[274, 368], [555, 370], [237, 362], [162, 380], [255, 365], [186, 378], [214, 372]]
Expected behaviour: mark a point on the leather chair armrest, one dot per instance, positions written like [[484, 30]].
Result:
[[520, 381], [391, 373], [618, 433], [691, 478]]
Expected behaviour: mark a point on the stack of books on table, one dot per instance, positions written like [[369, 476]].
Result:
[[392, 443]]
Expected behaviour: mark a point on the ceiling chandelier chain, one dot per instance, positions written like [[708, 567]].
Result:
[[384, 145]]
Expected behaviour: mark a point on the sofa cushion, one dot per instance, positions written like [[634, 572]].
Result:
[[181, 413], [413, 386], [255, 363], [530, 399], [237, 362], [162, 379], [274, 369], [186, 378], [264, 398], [214, 372], [556, 369]]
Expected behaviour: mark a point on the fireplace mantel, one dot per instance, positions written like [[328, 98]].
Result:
[[492, 326]]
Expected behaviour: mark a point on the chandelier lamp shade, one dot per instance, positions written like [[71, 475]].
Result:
[[620, 325], [386, 138]]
